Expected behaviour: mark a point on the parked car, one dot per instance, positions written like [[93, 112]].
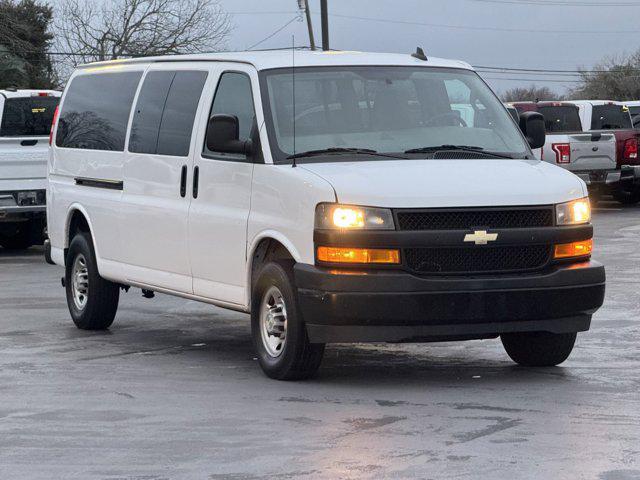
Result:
[[634, 110], [25, 124], [591, 156], [364, 209], [607, 116]]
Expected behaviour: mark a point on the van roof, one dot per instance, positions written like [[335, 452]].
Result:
[[267, 59], [29, 93]]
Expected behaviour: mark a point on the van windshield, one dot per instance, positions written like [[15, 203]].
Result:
[[27, 116], [388, 110]]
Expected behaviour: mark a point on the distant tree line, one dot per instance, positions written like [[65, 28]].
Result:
[[25, 39], [615, 78]]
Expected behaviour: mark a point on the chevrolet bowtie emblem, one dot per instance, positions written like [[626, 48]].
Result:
[[480, 237]]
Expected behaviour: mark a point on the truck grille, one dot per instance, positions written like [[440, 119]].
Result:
[[466, 219], [465, 260]]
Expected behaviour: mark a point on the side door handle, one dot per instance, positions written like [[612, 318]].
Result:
[[196, 179], [183, 181]]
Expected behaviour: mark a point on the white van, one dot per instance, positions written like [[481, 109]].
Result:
[[345, 200], [25, 123]]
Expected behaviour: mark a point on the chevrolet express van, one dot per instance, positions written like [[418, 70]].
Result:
[[344, 200]]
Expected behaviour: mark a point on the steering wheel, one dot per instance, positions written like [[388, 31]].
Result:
[[452, 115]]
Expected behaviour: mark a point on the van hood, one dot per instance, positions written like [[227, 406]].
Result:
[[449, 183]]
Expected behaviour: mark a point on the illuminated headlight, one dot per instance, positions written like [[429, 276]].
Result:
[[575, 212], [350, 217]]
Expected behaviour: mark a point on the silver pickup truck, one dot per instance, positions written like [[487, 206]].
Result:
[[25, 123], [590, 155]]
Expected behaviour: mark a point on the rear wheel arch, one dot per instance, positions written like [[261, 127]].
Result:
[[77, 221]]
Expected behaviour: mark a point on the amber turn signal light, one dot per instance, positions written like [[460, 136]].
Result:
[[574, 249], [358, 255]]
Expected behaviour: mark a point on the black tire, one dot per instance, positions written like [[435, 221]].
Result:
[[538, 349], [299, 359], [20, 240], [101, 300], [627, 197]]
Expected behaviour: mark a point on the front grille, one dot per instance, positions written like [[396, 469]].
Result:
[[459, 219], [477, 259]]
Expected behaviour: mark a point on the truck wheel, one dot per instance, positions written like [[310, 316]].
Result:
[[20, 240], [627, 197], [278, 330], [92, 300], [538, 349]]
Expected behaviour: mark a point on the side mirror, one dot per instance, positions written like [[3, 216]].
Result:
[[223, 135], [532, 126]]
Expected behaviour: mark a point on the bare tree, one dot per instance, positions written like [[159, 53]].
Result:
[[109, 30], [529, 94], [615, 78]]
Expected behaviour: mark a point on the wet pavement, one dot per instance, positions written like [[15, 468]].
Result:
[[173, 391]]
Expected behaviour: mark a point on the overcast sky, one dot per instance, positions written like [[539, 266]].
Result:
[[547, 34]]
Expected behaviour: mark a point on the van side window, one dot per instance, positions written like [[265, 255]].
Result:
[[96, 111], [165, 113], [234, 97]]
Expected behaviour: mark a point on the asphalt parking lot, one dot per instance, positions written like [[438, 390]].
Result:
[[173, 391]]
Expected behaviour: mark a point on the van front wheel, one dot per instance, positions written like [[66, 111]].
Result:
[[92, 300], [538, 349], [278, 330]]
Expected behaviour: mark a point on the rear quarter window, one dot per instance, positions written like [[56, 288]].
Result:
[[27, 116], [560, 119], [96, 111]]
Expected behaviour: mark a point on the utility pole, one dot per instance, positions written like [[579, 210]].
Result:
[[324, 16], [304, 4]]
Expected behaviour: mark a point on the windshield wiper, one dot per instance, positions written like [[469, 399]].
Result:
[[463, 148], [343, 151]]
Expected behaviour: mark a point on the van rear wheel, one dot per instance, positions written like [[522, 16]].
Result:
[[92, 300], [538, 349], [278, 330]]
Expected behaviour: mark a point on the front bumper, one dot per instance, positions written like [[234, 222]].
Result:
[[395, 306]]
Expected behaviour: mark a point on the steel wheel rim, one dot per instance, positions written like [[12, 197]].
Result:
[[273, 322], [80, 282]]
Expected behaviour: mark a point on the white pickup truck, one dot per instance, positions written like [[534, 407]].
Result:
[[25, 123], [590, 155]]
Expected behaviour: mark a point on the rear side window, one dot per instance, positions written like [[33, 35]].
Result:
[[27, 116], [96, 111], [562, 118], [610, 117], [165, 113]]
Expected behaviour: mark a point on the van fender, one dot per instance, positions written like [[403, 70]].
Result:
[[272, 235], [70, 211]]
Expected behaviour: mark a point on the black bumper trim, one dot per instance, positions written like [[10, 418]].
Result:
[[441, 333], [379, 302]]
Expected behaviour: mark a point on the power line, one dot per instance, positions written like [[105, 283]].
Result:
[[274, 33], [495, 29], [560, 3]]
